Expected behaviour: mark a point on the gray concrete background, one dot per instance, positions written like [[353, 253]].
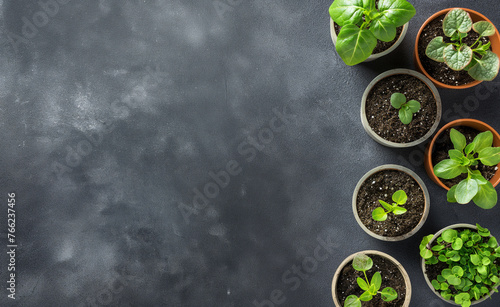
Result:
[[113, 112]]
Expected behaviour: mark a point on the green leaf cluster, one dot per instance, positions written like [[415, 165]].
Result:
[[399, 197], [363, 263], [478, 59], [363, 23], [462, 158], [406, 109], [472, 259]]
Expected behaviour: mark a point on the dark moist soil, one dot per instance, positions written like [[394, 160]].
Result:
[[440, 71], [391, 277], [382, 185], [443, 145], [381, 46], [383, 118], [432, 271]]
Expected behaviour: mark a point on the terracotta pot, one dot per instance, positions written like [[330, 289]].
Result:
[[378, 138], [375, 55], [414, 176], [495, 46], [369, 253], [436, 235], [473, 123]]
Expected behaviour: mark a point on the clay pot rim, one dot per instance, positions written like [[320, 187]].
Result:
[[373, 56], [417, 61], [458, 122], [417, 179], [406, 277], [417, 75], [422, 262]]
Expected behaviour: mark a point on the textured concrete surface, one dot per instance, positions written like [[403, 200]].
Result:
[[117, 115]]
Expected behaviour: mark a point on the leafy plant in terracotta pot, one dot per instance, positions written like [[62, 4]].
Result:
[[461, 263], [477, 59], [464, 157], [457, 48], [364, 22], [462, 160]]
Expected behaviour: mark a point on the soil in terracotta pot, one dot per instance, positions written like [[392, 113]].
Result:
[[381, 46], [382, 185], [443, 145], [383, 118], [440, 71], [391, 277]]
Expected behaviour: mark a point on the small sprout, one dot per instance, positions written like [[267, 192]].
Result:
[[363, 263], [478, 59], [406, 109], [399, 197], [473, 268], [462, 158]]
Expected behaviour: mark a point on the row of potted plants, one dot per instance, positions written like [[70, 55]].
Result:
[[455, 48]]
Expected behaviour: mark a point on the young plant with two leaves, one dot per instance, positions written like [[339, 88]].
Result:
[[363, 22], [406, 108], [477, 59], [472, 263], [399, 197], [363, 263], [464, 158]]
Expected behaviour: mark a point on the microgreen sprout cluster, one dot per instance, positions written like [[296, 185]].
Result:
[[363, 263], [472, 258], [478, 60], [462, 160], [406, 109], [399, 197]]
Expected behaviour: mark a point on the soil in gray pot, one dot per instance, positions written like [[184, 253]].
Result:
[[391, 277], [383, 118], [382, 185]]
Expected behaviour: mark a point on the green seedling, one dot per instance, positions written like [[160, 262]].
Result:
[[478, 59], [364, 22], [363, 263], [399, 197], [462, 160], [473, 269], [406, 109]]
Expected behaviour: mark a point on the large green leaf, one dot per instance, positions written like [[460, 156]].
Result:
[[379, 214], [376, 280], [362, 283], [385, 32], [399, 210], [397, 100], [414, 106], [435, 49], [352, 301], [456, 20], [457, 59], [466, 190], [396, 12], [484, 28], [483, 140], [405, 115], [389, 294], [362, 262], [399, 197], [448, 169], [455, 154], [486, 196], [458, 139], [355, 45], [345, 12], [490, 156], [486, 68]]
